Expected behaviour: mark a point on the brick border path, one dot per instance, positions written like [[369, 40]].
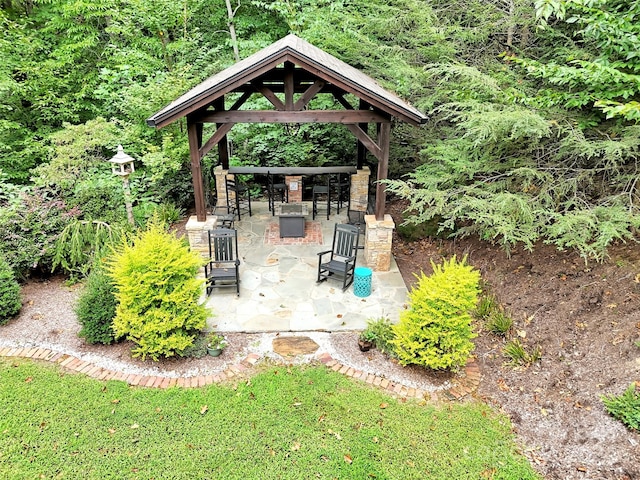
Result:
[[465, 385]]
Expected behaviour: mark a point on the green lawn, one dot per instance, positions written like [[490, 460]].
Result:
[[296, 423]]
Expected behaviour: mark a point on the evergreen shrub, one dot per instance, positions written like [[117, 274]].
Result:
[[625, 407], [10, 300], [436, 331], [157, 293], [96, 308], [29, 228]]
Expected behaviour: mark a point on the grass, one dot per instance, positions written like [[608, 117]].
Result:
[[519, 354], [289, 423], [499, 323]]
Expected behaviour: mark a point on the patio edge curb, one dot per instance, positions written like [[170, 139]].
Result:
[[463, 387]]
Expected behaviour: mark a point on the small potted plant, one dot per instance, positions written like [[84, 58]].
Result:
[[215, 344], [366, 340]]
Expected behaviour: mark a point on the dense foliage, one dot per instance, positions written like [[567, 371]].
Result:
[[533, 133], [96, 308], [157, 293], [435, 331], [10, 300], [82, 243], [30, 223]]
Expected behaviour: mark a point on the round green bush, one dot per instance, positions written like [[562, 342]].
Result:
[[435, 332], [158, 293], [10, 300], [96, 308]]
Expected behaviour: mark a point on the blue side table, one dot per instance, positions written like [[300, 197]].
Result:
[[362, 281]]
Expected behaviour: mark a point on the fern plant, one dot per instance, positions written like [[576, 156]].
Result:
[[625, 407], [436, 330], [158, 293]]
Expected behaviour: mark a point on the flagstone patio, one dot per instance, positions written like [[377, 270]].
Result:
[[278, 289]]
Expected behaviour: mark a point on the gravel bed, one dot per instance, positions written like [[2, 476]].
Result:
[[47, 320]]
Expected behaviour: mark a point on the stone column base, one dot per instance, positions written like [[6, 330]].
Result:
[[359, 195], [221, 186], [197, 233], [294, 186], [377, 243]]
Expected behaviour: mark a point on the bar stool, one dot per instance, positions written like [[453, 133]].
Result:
[[276, 186], [340, 190], [320, 194], [238, 197]]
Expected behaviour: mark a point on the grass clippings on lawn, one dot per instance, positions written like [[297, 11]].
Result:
[[288, 422]]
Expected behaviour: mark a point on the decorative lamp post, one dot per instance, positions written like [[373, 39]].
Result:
[[122, 166]]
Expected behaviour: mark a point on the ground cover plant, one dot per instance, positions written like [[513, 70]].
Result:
[[625, 407], [296, 423]]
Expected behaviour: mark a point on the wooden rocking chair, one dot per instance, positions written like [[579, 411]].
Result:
[[222, 269], [342, 259]]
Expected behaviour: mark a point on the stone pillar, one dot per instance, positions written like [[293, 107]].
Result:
[[197, 233], [221, 186], [377, 242], [294, 186], [360, 190]]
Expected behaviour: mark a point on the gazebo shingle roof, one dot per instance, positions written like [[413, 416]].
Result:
[[308, 57]]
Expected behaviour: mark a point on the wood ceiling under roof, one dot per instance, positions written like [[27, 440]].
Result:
[[285, 69]]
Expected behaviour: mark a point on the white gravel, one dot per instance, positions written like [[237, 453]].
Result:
[[47, 320]]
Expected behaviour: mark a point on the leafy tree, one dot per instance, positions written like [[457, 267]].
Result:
[[603, 70]]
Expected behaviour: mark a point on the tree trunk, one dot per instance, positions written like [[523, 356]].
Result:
[[232, 29]]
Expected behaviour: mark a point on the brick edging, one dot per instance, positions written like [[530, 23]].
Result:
[[465, 385], [75, 364]]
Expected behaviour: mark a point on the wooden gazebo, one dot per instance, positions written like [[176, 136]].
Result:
[[297, 71]]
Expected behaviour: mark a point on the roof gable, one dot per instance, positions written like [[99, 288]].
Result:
[[304, 55]]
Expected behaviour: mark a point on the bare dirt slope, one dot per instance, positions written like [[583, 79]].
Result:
[[586, 320]]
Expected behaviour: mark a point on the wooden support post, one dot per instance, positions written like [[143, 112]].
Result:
[[288, 86], [196, 171], [384, 133], [361, 149], [223, 145]]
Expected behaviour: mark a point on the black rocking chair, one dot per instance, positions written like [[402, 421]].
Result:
[[342, 261], [222, 269]]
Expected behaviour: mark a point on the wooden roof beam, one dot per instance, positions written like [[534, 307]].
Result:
[[309, 93], [301, 116], [269, 95], [215, 138], [366, 140]]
